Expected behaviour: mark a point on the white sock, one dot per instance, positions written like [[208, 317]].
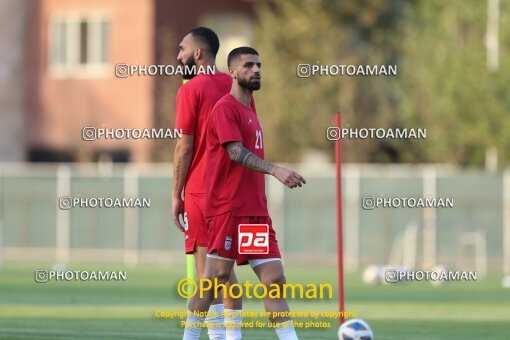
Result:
[[286, 331], [193, 327], [233, 319], [215, 324]]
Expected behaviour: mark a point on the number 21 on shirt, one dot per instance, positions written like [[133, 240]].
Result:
[[258, 139]]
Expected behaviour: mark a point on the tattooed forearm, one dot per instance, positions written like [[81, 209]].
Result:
[[238, 153], [234, 151], [253, 162]]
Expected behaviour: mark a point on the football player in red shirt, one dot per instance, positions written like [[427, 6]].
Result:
[[195, 100], [236, 189]]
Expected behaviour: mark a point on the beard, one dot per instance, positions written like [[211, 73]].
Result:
[[247, 84], [188, 69]]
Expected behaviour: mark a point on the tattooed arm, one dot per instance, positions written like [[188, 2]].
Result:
[[182, 160], [239, 154]]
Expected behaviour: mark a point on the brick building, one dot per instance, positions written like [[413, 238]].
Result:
[[67, 53]]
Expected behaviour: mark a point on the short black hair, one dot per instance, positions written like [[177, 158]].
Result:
[[207, 37], [236, 52]]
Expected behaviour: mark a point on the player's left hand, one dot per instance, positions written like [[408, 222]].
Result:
[[288, 177], [177, 209]]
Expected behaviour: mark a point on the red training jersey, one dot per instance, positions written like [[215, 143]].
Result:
[[232, 187], [195, 100]]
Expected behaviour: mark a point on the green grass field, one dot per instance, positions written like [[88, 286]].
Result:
[[126, 310]]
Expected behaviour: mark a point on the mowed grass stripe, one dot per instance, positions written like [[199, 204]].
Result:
[[91, 329], [379, 311], [89, 310], [36, 333], [413, 330]]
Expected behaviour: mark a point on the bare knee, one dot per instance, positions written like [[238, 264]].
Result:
[[222, 276], [276, 279], [218, 270], [232, 279]]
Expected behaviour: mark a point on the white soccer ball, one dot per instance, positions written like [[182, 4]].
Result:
[[372, 274], [355, 329]]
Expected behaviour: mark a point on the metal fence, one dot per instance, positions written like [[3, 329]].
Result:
[[472, 234]]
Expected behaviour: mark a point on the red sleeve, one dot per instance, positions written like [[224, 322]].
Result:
[[226, 124], [185, 111]]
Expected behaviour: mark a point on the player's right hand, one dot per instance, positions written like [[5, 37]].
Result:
[[288, 177], [177, 209]]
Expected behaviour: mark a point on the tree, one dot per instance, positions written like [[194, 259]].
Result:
[[296, 112], [446, 86]]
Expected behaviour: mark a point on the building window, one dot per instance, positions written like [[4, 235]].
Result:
[[78, 44]]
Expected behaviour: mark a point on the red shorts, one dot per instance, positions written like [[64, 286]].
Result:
[[223, 237], [195, 235]]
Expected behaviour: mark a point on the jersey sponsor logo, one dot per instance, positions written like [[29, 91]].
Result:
[[228, 243], [253, 239]]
